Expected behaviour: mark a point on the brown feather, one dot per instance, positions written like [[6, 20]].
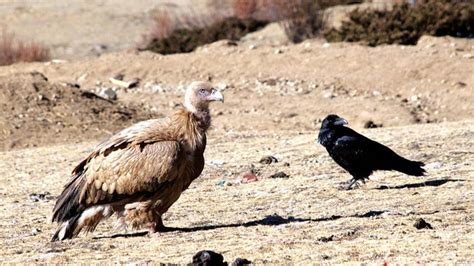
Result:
[[150, 163]]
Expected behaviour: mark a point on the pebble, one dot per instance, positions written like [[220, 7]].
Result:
[[108, 93], [248, 178]]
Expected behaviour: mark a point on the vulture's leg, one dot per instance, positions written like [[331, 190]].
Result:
[[157, 226]]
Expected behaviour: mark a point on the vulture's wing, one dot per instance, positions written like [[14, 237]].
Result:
[[121, 167]]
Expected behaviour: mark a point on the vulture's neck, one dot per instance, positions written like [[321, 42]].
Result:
[[203, 119], [194, 126]]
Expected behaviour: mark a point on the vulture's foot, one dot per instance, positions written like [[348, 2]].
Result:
[[158, 227]]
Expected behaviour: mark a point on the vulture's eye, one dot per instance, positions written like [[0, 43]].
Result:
[[202, 92]]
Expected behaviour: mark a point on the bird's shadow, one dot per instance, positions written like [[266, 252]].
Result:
[[269, 220], [430, 183]]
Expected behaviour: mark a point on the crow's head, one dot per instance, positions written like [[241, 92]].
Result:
[[333, 120]]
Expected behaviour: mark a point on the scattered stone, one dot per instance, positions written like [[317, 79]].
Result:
[[222, 86], [468, 56], [329, 95], [279, 175], [35, 231], [133, 83], [241, 262], [46, 196], [278, 51], [208, 257], [82, 78], [372, 124], [124, 84], [268, 159], [216, 162], [422, 224], [326, 238], [248, 177], [434, 165], [326, 45], [118, 76], [251, 47], [108, 94], [220, 183]]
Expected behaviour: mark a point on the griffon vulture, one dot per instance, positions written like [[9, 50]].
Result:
[[139, 172], [359, 155]]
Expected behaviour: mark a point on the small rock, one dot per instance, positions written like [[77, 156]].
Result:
[[372, 124], [468, 56], [133, 83], [278, 51], [434, 165], [248, 177], [208, 257], [279, 175], [251, 47], [119, 76], [241, 262], [326, 238], [35, 231], [328, 95], [422, 224], [35, 197], [82, 78], [268, 159], [216, 162], [222, 86], [108, 93], [220, 183], [326, 45]]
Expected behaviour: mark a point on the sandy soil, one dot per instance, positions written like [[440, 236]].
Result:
[[275, 98], [300, 219]]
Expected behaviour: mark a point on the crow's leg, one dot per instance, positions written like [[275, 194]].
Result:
[[351, 183]]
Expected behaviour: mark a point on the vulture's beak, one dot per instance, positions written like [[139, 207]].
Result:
[[340, 122], [216, 96]]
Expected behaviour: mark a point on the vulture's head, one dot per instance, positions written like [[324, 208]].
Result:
[[199, 94], [332, 121]]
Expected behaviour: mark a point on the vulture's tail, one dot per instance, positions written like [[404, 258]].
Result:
[[87, 220], [73, 215], [410, 167]]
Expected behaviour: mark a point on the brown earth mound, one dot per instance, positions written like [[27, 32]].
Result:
[[35, 112]]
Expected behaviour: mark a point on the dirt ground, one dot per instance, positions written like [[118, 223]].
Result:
[[275, 98]]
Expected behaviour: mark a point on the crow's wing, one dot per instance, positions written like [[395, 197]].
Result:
[[353, 154]]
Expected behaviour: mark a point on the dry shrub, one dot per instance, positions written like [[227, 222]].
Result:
[[186, 40], [183, 33], [405, 24], [303, 19], [12, 50]]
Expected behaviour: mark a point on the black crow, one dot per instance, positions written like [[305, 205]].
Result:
[[359, 155]]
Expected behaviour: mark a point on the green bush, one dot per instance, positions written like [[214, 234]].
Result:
[[405, 24]]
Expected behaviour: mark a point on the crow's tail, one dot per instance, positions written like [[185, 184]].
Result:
[[410, 167]]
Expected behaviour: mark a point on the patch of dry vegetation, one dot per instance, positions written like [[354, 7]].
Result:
[[405, 24], [13, 50]]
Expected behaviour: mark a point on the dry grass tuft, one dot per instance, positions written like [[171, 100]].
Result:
[[13, 50]]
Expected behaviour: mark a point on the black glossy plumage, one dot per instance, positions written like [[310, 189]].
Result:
[[359, 155]]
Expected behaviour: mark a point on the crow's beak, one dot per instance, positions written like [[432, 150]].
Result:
[[216, 96], [340, 122]]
